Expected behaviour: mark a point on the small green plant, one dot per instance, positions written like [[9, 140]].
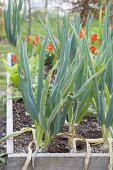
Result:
[[13, 70]]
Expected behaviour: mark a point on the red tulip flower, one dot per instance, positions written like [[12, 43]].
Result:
[[93, 49], [37, 39], [14, 58], [94, 37]]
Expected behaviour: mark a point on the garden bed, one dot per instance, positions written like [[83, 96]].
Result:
[[89, 128], [61, 160]]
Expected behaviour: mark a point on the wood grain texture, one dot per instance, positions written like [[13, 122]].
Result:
[[59, 161]]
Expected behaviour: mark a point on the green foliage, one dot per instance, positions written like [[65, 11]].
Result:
[[13, 71], [105, 87], [1, 20], [2, 158], [75, 73], [99, 89], [76, 51], [13, 19]]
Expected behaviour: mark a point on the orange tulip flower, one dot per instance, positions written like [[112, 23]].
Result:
[[37, 39], [81, 33], [28, 38], [49, 47]]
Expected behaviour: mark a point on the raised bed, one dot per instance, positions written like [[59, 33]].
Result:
[[49, 161]]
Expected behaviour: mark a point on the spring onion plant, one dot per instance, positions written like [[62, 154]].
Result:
[[13, 19], [53, 102], [84, 91], [105, 87], [99, 91]]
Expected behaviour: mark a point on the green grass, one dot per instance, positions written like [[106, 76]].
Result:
[[38, 28], [95, 26], [5, 48]]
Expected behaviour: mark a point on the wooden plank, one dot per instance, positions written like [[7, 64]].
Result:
[[9, 127], [59, 161]]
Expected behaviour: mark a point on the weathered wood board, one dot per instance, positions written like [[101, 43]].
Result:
[[59, 161]]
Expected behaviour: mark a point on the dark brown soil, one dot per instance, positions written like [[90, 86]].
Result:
[[3, 144], [89, 128]]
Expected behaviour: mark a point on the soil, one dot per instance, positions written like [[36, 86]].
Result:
[[88, 128], [3, 144]]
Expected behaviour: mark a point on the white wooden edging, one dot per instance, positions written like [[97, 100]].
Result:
[[9, 127]]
